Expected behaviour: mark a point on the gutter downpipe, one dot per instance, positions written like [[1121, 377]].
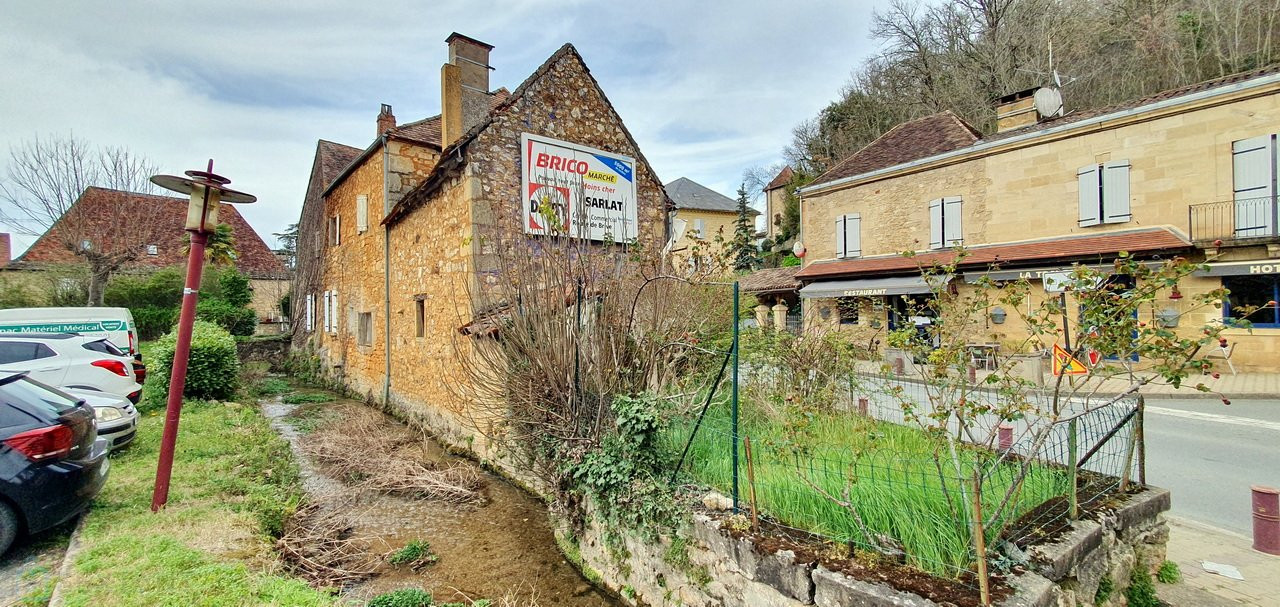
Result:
[[386, 275], [1237, 87]]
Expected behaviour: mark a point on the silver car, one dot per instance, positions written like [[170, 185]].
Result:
[[117, 417]]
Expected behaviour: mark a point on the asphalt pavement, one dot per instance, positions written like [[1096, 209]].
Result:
[[1208, 454]]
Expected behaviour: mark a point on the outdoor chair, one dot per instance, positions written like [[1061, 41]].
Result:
[[1223, 352]]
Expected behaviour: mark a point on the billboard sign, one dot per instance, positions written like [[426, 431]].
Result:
[[577, 191]]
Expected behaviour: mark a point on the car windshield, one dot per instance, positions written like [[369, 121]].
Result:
[[104, 346], [32, 393]]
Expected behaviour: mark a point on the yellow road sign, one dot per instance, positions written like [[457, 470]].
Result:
[[1066, 364]]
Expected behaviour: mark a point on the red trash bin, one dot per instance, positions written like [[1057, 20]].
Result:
[[1266, 519]]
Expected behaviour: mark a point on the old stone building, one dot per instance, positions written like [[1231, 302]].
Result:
[[393, 239], [708, 217], [1190, 171]]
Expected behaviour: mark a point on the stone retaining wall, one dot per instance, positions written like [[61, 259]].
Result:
[[709, 568]]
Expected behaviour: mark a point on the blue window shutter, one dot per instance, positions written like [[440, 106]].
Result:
[[1115, 192], [952, 222], [935, 224], [840, 236], [1090, 200], [853, 235]]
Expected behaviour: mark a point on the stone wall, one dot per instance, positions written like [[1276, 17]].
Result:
[[708, 567]]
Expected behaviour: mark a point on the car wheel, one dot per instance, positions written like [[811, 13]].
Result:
[[8, 527]]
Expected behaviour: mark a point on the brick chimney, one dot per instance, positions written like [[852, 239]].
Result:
[[6, 249], [464, 87], [386, 120], [1016, 110]]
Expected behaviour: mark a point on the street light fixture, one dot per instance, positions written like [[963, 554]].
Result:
[[206, 190]]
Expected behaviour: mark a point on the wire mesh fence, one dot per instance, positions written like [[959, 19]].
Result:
[[866, 459]]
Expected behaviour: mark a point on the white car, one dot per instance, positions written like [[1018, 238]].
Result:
[[70, 360], [117, 417]]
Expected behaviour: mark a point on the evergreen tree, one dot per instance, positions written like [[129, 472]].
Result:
[[742, 249]]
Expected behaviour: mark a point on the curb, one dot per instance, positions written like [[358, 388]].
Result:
[[74, 547]]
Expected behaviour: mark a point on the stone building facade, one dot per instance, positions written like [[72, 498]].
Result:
[[436, 190], [1185, 172]]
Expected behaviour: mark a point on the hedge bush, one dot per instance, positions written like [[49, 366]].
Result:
[[212, 369], [236, 320]]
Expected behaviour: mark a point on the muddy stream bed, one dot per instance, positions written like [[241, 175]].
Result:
[[500, 547]]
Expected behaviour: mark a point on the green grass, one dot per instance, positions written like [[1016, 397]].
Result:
[[888, 471], [234, 483], [300, 398], [416, 553]]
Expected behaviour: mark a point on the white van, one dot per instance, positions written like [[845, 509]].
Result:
[[115, 324]]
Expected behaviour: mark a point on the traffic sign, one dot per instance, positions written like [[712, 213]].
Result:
[[1066, 364]]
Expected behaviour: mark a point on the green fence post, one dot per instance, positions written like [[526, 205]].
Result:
[[734, 396], [1072, 450]]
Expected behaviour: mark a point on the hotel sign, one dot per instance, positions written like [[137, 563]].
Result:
[[576, 191], [1242, 268]]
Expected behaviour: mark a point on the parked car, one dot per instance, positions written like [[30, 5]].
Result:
[[117, 417], [52, 462], [115, 324], [70, 360]]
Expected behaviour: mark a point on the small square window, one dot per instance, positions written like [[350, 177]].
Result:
[[153, 250]]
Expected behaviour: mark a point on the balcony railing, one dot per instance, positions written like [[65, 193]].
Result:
[[1232, 221]]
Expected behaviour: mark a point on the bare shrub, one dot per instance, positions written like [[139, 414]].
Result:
[[318, 546]]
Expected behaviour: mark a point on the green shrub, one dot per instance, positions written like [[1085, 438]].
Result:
[[1105, 588], [17, 294], [1169, 573], [416, 554], [235, 288], [404, 597], [307, 397], [272, 386], [237, 320], [1141, 591], [212, 369], [154, 321]]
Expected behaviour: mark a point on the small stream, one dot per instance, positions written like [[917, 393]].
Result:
[[486, 551]]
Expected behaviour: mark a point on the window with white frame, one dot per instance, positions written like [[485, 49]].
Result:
[[362, 214], [1104, 193], [153, 250], [699, 228], [945, 222], [849, 236]]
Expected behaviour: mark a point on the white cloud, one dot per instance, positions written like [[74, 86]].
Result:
[[708, 89]]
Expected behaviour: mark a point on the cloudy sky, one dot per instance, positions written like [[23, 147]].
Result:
[[707, 88]]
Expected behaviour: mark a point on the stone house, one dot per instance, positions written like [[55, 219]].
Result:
[[94, 217], [775, 203], [708, 216], [392, 238], [1190, 171]]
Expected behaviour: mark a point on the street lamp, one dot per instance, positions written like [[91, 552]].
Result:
[[206, 189]]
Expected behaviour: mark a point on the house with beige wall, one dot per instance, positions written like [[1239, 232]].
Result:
[[397, 237], [1190, 172], [708, 218]]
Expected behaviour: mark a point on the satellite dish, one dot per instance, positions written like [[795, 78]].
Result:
[[798, 249], [1048, 102]]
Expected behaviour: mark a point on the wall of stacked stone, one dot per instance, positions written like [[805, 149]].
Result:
[[711, 568]]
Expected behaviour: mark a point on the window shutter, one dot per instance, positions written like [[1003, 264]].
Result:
[[362, 214], [700, 226], [935, 224], [309, 312], [337, 229], [327, 315], [337, 312], [1253, 176], [840, 236], [1115, 192], [952, 225], [853, 235], [1090, 203]]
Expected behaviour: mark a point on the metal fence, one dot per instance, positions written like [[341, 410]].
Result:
[[1230, 220]]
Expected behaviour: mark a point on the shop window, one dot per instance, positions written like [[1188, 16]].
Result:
[[848, 308], [1252, 298]]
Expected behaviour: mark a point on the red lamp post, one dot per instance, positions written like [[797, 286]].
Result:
[[206, 190]]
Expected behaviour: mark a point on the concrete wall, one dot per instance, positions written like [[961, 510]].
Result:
[[717, 569]]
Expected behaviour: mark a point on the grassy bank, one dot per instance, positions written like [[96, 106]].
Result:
[[234, 482], [887, 471]]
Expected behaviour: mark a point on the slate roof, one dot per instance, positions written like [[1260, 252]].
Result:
[[1070, 248], [689, 194], [770, 280], [167, 216], [911, 140], [783, 178]]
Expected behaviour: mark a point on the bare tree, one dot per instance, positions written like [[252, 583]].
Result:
[[46, 178]]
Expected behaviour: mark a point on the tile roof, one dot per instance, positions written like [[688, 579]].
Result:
[[428, 130], [911, 140], [334, 158], [783, 178], [166, 216], [770, 280], [1147, 240], [1135, 103], [689, 194]]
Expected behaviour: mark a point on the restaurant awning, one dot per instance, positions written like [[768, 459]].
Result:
[[1241, 268], [873, 287]]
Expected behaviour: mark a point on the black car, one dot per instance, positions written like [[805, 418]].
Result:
[[52, 462]]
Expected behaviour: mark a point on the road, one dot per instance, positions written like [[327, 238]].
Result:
[[1208, 454]]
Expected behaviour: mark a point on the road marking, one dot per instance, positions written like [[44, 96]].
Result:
[[1214, 417]]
